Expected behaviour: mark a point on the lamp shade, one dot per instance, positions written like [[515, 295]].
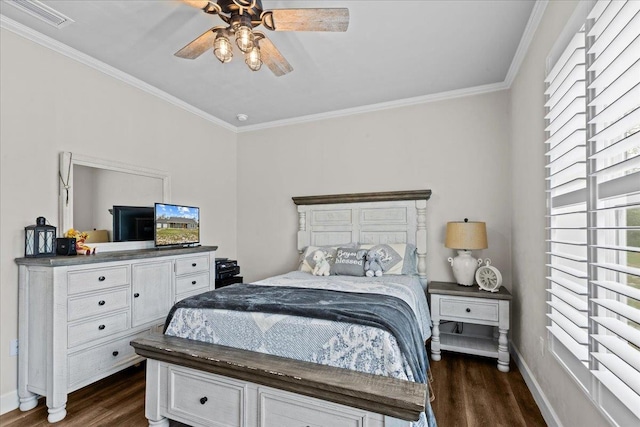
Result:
[[467, 235]]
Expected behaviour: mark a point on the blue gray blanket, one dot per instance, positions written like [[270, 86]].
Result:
[[381, 311]]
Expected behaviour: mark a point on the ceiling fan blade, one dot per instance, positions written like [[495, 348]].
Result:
[[198, 46], [200, 4], [310, 19], [273, 59]]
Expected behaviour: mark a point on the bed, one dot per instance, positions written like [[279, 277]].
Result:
[[338, 350]]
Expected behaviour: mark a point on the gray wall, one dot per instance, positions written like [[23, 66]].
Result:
[[50, 103], [458, 148]]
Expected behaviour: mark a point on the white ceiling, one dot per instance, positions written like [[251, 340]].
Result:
[[393, 51]]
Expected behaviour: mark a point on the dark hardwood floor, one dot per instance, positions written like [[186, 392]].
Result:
[[470, 392]]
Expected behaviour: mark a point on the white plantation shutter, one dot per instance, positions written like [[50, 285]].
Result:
[[614, 140], [567, 201], [593, 184]]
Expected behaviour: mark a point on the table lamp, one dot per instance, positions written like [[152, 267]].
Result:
[[465, 236]]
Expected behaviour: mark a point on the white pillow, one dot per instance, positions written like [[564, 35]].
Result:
[[397, 258]]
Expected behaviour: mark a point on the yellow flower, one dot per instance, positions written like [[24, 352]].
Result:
[[77, 234]]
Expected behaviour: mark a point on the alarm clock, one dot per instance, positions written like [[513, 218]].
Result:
[[488, 277]]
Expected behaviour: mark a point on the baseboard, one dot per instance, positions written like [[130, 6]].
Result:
[[549, 415], [9, 402]]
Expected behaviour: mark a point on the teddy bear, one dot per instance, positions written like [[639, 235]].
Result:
[[373, 264], [322, 267]]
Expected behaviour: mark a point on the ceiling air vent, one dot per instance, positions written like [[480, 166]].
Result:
[[42, 12]]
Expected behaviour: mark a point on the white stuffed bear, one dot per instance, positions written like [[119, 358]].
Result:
[[322, 267]]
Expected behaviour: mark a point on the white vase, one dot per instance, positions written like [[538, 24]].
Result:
[[464, 267]]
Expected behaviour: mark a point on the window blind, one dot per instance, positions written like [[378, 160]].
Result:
[[566, 193], [613, 110], [593, 204]]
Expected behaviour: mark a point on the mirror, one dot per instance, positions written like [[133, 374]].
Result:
[[90, 187]]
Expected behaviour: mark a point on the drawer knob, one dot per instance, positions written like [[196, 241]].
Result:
[[468, 310], [136, 295], [115, 353], [203, 400], [101, 302], [193, 265], [193, 282], [101, 327], [101, 279]]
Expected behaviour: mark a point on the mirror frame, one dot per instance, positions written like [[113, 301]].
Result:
[[65, 202]]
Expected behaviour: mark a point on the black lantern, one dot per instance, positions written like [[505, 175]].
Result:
[[39, 239]]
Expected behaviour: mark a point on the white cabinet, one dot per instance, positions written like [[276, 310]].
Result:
[[151, 286], [77, 315]]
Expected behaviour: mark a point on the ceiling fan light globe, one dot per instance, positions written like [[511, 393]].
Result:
[[222, 49], [253, 59], [245, 38]]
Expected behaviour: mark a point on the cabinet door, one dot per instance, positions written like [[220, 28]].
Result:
[[151, 285]]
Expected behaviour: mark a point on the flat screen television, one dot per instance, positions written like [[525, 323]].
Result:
[[132, 223], [176, 225]]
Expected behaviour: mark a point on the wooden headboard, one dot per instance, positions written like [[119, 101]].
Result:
[[368, 218]]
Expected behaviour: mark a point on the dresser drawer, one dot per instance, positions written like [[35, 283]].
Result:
[[286, 410], [484, 311], [94, 362], [192, 283], [213, 401], [194, 264], [97, 304], [82, 332], [99, 278]]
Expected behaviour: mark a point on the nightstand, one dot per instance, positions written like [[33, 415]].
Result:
[[478, 321]]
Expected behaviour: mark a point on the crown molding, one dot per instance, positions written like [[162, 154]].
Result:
[[442, 96], [48, 42], [525, 40]]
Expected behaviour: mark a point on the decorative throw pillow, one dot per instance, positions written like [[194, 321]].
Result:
[[307, 264], [348, 262], [397, 258]]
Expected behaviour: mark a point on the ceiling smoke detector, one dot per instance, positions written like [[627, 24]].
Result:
[[242, 117]]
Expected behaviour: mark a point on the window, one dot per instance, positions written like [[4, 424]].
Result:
[[593, 205]]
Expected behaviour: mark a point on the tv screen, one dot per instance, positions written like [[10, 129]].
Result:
[[176, 225], [132, 223]]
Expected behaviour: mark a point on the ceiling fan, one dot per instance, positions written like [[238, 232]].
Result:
[[242, 16]]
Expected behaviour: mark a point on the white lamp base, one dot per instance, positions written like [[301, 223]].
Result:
[[464, 267]]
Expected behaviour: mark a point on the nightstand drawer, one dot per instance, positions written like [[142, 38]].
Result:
[[487, 311]]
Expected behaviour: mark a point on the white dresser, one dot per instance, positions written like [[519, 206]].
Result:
[[78, 314]]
